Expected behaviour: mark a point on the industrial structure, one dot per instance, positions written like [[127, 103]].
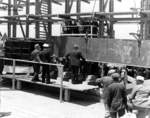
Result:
[[94, 28]]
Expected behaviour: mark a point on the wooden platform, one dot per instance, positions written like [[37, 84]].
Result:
[[67, 86]]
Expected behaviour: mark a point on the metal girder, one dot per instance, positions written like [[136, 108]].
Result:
[[87, 1], [56, 2]]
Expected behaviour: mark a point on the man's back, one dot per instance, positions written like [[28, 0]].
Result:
[[75, 57], [116, 98]]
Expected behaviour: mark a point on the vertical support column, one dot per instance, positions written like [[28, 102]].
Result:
[[14, 13], [49, 23], [61, 84], [14, 78], [101, 5], [19, 84], [37, 12], [111, 9], [101, 23], [27, 19], [78, 8], [67, 95], [9, 14], [67, 6]]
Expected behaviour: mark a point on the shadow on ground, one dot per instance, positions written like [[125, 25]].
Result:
[[80, 98]]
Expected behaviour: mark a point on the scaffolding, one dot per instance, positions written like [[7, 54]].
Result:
[[43, 17]]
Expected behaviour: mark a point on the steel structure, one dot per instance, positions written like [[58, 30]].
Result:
[[43, 17]]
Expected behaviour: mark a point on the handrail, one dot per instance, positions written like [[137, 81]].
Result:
[[43, 63], [27, 61]]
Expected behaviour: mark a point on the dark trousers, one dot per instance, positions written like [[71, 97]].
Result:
[[45, 73], [75, 72], [36, 68]]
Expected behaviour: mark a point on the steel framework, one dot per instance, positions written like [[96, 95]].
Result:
[[43, 17]]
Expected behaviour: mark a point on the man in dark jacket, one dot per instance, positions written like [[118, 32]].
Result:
[[105, 82], [116, 97], [35, 57], [75, 58], [45, 56]]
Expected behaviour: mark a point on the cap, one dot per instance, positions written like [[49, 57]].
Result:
[[110, 72], [75, 46], [36, 45], [140, 78], [45, 45]]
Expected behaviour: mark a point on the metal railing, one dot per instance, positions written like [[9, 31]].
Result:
[[60, 71]]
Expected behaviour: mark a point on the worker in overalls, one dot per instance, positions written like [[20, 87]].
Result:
[[35, 57], [45, 56]]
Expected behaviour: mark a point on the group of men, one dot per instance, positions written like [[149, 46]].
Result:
[[38, 56], [116, 100], [74, 58], [114, 93]]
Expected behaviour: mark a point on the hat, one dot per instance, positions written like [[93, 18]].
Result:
[[45, 45], [115, 76], [140, 78], [110, 72]]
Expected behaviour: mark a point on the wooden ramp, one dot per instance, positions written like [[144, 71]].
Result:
[[67, 86]]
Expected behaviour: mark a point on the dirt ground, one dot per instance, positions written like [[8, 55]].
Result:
[[40, 104]]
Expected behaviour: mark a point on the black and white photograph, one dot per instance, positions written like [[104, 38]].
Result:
[[74, 58]]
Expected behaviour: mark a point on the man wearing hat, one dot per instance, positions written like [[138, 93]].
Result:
[[45, 56], [35, 57], [104, 82], [74, 59], [116, 97]]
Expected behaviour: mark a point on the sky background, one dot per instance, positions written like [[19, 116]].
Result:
[[121, 30]]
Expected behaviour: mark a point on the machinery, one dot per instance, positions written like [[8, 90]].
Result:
[[92, 31]]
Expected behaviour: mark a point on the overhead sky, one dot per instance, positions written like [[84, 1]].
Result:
[[121, 30]]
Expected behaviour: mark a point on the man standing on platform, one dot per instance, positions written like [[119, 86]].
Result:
[[45, 56], [35, 57], [75, 58]]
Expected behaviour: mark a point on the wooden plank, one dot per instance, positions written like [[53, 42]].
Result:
[[55, 83]]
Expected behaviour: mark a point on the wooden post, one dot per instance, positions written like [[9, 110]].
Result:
[[67, 6], [27, 19], [67, 95], [37, 12], [111, 9], [61, 84], [49, 23], [19, 84], [101, 5], [14, 78], [78, 8], [14, 13], [9, 14]]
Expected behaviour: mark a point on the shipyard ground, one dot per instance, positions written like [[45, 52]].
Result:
[[34, 102]]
